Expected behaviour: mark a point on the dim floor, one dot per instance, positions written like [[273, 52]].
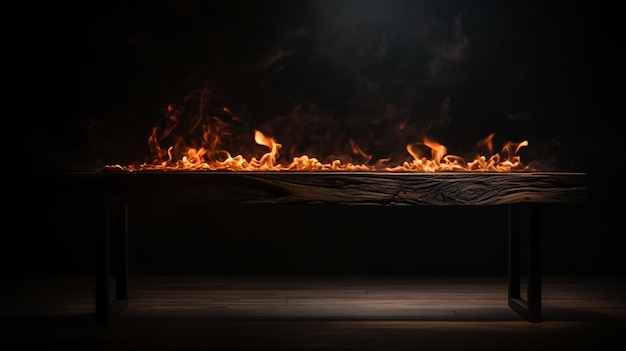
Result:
[[312, 313]]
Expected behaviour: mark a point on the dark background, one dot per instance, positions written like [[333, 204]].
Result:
[[84, 82]]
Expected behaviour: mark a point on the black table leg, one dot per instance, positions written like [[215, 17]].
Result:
[[522, 218], [115, 231], [525, 218]]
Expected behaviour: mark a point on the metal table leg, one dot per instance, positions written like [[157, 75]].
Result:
[[116, 231], [525, 218]]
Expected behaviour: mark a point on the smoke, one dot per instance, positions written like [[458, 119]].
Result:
[[324, 78], [319, 75], [448, 51], [378, 74]]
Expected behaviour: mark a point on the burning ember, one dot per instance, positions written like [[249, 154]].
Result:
[[205, 147]]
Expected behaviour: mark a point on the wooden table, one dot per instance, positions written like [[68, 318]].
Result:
[[522, 193]]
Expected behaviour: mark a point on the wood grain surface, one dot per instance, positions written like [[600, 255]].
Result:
[[345, 188]]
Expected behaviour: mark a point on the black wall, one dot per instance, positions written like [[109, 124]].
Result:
[[85, 81], [323, 239]]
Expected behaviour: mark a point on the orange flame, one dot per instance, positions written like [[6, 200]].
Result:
[[211, 129], [199, 159]]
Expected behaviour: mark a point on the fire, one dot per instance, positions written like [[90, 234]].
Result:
[[208, 136], [203, 159]]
